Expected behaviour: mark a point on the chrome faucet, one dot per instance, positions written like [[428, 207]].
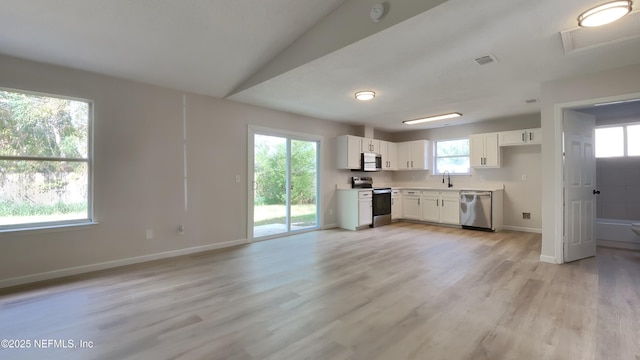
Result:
[[449, 184]]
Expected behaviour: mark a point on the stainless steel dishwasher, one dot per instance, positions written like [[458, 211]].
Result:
[[475, 210]]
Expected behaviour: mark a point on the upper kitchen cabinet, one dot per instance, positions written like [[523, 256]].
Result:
[[520, 137], [484, 150], [413, 155], [389, 154], [349, 150], [370, 146]]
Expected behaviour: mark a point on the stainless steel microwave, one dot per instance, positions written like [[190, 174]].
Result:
[[370, 162]]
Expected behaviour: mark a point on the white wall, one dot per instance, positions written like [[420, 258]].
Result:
[[573, 92], [139, 170], [520, 196]]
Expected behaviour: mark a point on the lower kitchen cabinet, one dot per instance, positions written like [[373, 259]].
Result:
[[441, 207], [355, 208], [431, 206], [411, 205], [396, 205], [450, 207], [365, 208]]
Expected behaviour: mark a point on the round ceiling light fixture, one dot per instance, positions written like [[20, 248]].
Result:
[[605, 13], [365, 95]]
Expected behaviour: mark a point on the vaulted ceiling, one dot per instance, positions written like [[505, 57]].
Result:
[[309, 56]]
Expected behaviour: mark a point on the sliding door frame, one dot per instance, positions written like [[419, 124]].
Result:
[[289, 135]]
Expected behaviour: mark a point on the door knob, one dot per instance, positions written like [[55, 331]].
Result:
[[596, 192]]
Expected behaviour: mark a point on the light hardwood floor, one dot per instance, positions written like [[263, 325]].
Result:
[[404, 291]]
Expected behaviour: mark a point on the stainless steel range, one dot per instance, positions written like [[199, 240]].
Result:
[[381, 200]]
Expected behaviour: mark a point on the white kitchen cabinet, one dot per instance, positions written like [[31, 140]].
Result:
[[484, 151], [441, 207], [413, 155], [431, 206], [411, 205], [365, 208], [396, 205], [450, 207], [355, 208], [520, 137], [370, 145], [348, 152], [389, 154]]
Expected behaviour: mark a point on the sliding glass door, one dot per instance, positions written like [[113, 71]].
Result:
[[285, 184]]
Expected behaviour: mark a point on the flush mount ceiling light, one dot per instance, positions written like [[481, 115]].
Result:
[[605, 13], [432, 118], [365, 95]]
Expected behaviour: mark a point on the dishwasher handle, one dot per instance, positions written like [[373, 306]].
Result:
[[476, 193]]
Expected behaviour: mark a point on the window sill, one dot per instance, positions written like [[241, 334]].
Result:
[[31, 230]]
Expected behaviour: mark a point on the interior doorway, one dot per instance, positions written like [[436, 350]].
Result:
[[583, 227]]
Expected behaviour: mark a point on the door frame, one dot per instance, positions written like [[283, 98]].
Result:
[[262, 130], [558, 115]]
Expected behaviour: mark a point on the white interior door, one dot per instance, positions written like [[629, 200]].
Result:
[[579, 186]]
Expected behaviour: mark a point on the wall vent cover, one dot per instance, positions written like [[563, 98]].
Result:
[[484, 60], [578, 39]]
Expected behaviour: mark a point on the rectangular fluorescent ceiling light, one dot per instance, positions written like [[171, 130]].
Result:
[[433, 118]]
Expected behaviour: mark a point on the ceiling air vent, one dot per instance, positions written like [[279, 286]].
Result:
[[531, 101], [484, 60], [579, 39]]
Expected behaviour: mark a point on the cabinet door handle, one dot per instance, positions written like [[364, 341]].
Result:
[[442, 202], [522, 137], [530, 136], [411, 163], [418, 201], [437, 202]]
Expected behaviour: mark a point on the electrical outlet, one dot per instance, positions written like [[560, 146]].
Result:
[[237, 178], [180, 229], [149, 234], [330, 211], [526, 215]]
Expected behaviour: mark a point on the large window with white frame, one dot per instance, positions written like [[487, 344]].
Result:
[[617, 141], [452, 156], [45, 160]]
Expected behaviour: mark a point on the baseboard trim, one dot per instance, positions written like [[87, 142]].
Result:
[[523, 229], [548, 259], [328, 226], [26, 279], [618, 244]]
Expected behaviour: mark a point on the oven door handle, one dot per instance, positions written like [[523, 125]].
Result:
[[382, 191]]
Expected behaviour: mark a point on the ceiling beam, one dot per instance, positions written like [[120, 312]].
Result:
[[346, 25]]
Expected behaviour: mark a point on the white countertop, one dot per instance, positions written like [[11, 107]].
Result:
[[420, 188], [466, 188]]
